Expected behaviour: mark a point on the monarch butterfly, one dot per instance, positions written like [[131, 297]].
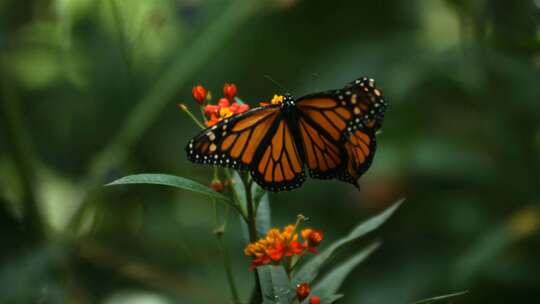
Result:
[[332, 133]]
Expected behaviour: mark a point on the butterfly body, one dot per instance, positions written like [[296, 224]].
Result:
[[332, 133]]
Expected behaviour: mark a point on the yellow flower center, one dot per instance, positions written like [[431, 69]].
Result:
[[225, 113], [277, 99]]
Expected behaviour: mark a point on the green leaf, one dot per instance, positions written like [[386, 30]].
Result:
[[264, 216], [238, 186], [311, 269], [440, 298], [169, 180], [275, 286], [330, 284]]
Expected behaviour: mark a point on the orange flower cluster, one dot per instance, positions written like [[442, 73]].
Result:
[[226, 106], [285, 243]]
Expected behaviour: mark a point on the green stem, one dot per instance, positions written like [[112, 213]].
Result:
[[256, 296], [228, 271], [219, 232], [251, 216], [188, 112]]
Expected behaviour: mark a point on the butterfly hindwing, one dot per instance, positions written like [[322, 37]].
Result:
[[280, 166], [360, 146]]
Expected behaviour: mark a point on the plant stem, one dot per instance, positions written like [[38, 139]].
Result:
[[188, 112], [251, 216], [256, 296], [228, 270], [219, 232]]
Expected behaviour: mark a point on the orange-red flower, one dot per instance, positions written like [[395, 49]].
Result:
[[224, 109], [314, 300], [229, 90], [312, 239], [199, 93], [277, 245], [302, 291]]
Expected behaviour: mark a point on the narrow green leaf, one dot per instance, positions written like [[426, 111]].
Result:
[[311, 269], [330, 284], [244, 229], [275, 286], [169, 180], [264, 216], [440, 298], [239, 188]]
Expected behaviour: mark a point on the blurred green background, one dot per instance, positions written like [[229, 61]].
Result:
[[88, 93]]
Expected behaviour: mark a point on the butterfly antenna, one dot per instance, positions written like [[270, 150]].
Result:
[[272, 80]]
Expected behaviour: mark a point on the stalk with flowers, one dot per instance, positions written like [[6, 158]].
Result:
[[286, 262]]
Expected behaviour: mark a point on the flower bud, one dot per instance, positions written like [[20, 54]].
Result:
[[302, 291], [315, 300], [229, 90], [217, 185], [199, 93]]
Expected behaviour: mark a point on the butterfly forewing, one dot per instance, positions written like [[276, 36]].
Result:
[[259, 141], [233, 142]]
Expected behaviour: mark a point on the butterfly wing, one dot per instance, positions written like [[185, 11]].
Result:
[[258, 140], [360, 146], [360, 142], [280, 166], [346, 119], [321, 128]]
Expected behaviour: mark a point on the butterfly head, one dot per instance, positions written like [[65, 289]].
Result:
[[288, 100]]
